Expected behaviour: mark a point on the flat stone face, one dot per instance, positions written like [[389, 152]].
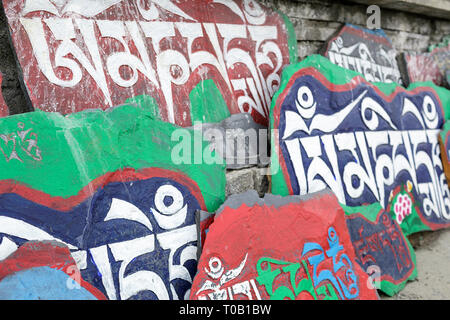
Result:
[[433, 259], [43, 271], [381, 248], [431, 66], [196, 59], [339, 131], [133, 219], [279, 249], [444, 143], [103, 183], [369, 52]]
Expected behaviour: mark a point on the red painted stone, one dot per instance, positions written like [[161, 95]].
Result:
[[39, 254], [80, 54], [430, 66], [4, 110], [297, 249]]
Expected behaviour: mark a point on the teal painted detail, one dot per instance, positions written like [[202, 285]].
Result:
[[207, 103], [146, 102]]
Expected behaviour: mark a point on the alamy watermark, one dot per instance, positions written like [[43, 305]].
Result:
[[214, 145], [374, 19]]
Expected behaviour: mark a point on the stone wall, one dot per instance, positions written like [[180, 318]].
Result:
[[12, 92], [316, 20]]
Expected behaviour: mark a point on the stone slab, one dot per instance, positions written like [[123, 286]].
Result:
[[369, 52], [43, 271], [430, 66], [381, 248], [196, 59], [4, 110], [361, 140], [279, 248], [104, 184]]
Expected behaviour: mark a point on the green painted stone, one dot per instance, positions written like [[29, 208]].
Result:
[[146, 102], [445, 42], [60, 156], [108, 185], [203, 97]]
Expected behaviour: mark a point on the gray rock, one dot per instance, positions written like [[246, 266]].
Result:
[[239, 181], [239, 140]]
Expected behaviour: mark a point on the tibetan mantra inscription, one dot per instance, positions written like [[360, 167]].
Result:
[[115, 49], [359, 139], [128, 213], [381, 248], [366, 51], [294, 248]]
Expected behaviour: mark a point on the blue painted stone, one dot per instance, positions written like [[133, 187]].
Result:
[[42, 283]]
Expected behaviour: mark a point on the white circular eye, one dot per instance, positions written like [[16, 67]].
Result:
[[168, 200], [253, 8], [305, 103], [305, 97], [215, 268], [430, 112], [215, 265], [253, 12]]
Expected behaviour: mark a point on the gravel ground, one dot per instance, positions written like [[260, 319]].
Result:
[[433, 266]]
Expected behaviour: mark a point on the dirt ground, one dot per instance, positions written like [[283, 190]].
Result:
[[433, 264]]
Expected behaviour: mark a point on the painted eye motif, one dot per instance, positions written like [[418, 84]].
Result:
[[215, 268], [170, 211], [253, 12], [305, 103], [339, 42], [430, 112]]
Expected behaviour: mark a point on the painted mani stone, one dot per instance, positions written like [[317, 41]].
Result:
[[381, 248], [104, 184], [280, 248], [362, 140], [430, 66], [4, 110], [43, 271], [369, 52], [200, 60], [445, 148]]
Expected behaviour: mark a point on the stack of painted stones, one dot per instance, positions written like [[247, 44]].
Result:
[[108, 190]]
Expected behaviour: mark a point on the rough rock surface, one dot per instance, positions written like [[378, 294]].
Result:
[[254, 178], [277, 248]]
